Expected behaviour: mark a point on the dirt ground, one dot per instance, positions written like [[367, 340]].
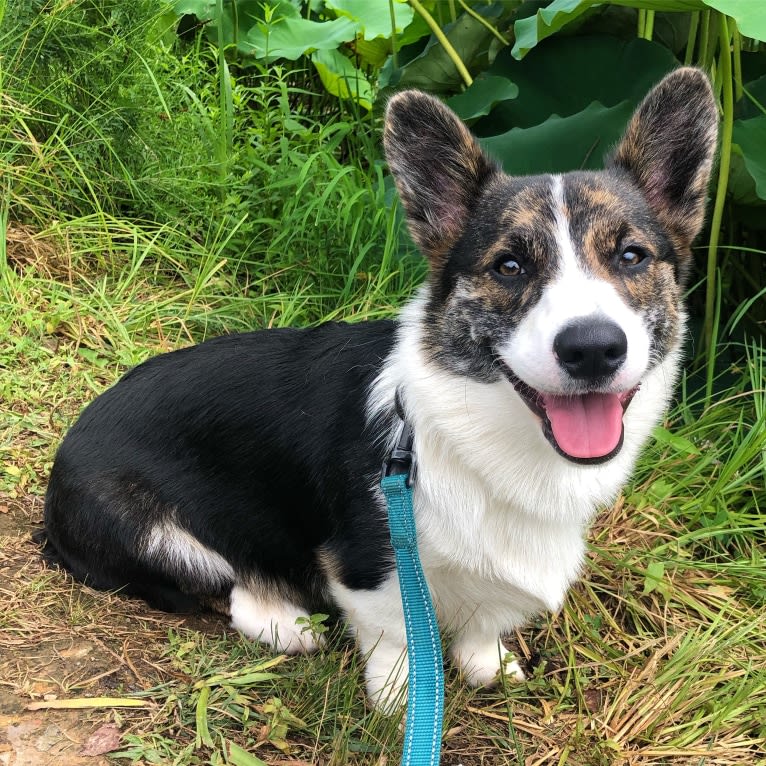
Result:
[[61, 641]]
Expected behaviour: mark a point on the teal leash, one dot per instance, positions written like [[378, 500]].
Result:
[[425, 705]]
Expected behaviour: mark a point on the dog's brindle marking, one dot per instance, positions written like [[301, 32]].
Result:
[[515, 217], [246, 468]]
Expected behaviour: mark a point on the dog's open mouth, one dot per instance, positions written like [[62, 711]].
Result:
[[585, 428]]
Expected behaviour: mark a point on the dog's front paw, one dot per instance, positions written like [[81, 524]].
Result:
[[482, 663], [386, 679]]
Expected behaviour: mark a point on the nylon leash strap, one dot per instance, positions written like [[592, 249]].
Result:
[[425, 705]]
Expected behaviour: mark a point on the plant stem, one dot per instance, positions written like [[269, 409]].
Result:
[[393, 33], [710, 367], [692, 38], [3, 241], [704, 30], [226, 123], [641, 22], [720, 200], [737, 61], [649, 25], [714, 32], [452, 13], [442, 38], [496, 32]]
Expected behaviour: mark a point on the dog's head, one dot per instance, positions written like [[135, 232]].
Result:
[[568, 286]]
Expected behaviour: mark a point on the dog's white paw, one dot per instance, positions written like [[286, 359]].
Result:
[[386, 679], [482, 663], [272, 622]]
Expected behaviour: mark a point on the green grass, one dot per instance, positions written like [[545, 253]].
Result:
[[128, 234]]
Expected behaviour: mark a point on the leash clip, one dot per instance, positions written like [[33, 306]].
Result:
[[401, 459]]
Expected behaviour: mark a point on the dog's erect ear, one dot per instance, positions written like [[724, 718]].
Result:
[[438, 167], [668, 148]]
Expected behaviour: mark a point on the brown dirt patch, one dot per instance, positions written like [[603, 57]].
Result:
[[59, 641]]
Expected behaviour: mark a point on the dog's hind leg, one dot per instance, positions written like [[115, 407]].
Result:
[[266, 617]]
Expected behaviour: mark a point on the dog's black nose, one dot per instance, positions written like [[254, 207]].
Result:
[[591, 349]]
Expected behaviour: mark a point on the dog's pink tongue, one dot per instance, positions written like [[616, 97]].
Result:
[[585, 426]]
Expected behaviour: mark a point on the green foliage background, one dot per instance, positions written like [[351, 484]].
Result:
[[547, 87]]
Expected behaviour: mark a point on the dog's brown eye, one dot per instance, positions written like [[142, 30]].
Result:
[[509, 268], [632, 256]]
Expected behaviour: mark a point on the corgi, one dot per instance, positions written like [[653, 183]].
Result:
[[531, 366]]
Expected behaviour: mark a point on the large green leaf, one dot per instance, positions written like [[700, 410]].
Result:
[[559, 144], [750, 15], [741, 186], [750, 136], [549, 20], [374, 52], [341, 78], [374, 16], [432, 69], [417, 30], [754, 102], [204, 10], [485, 92], [565, 74], [290, 38], [238, 19]]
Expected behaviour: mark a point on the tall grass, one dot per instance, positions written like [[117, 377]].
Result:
[[128, 161]]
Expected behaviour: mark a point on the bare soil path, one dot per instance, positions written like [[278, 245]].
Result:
[[61, 641]]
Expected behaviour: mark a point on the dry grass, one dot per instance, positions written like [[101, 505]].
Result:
[[675, 687]]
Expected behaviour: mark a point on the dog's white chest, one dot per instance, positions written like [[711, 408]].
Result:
[[487, 561]]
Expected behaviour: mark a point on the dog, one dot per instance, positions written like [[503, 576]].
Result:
[[531, 366]]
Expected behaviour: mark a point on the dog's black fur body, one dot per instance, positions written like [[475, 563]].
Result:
[[209, 434]]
